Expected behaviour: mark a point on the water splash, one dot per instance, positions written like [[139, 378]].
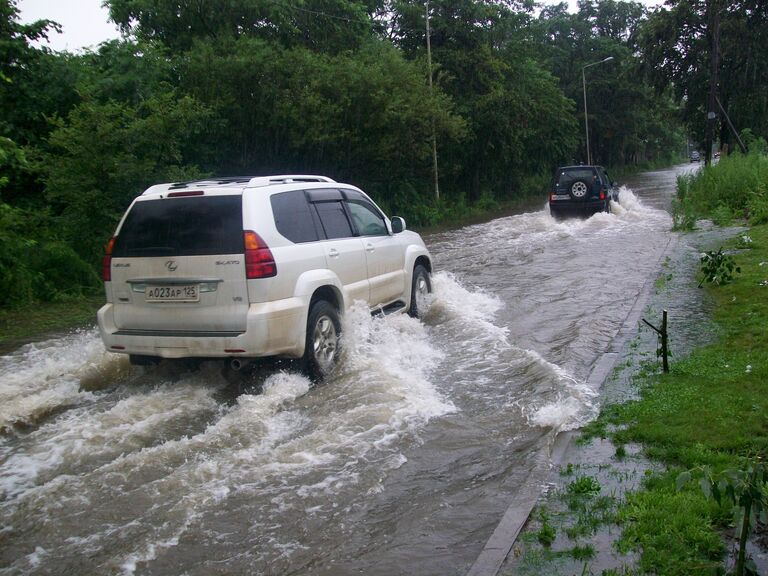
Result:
[[45, 376]]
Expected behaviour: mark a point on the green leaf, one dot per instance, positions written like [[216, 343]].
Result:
[[682, 479]]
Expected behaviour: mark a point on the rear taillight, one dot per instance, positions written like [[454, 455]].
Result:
[[106, 263], [602, 194], [259, 262]]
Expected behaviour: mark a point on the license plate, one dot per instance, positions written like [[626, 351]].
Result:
[[181, 293]]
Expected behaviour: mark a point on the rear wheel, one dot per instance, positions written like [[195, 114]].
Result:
[[421, 288], [321, 350]]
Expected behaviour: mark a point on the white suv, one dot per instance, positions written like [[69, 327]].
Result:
[[241, 268]]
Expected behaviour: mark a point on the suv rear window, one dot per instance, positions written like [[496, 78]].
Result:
[[567, 176], [197, 226]]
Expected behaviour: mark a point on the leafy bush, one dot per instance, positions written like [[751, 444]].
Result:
[[33, 266], [17, 278], [717, 268]]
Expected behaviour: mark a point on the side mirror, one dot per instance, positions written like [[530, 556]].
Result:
[[398, 224]]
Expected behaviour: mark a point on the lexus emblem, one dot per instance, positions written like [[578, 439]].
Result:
[[171, 265]]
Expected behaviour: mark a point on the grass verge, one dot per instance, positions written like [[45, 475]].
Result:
[[19, 325], [709, 411]]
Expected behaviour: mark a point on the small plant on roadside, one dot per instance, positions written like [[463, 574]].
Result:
[[662, 281], [584, 485], [744, 241], [546, 534], [621, 452], [746, 490], [586, 552], [717, 268]]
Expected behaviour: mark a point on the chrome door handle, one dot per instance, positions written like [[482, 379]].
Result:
[[369, 247], [333, 253]]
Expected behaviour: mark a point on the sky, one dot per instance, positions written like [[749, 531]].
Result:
[[84, 22]]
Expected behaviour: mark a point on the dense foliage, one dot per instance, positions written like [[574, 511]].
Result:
[[736, 187], [339, 87]]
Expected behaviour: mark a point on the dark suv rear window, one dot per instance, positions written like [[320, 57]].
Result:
[[565, 177], [197, 226]]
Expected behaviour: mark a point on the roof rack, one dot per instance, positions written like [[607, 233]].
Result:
[[210, 182], [260, 181], [247, 181]]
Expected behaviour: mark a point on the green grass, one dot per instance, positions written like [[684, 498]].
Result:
[[22, 324], [710, 410], [736, 187]]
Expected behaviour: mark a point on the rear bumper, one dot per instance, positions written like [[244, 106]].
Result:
[[272, 329], [574, 206]]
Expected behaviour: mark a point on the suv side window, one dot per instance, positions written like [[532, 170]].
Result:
[[334, 219], [294, 217], [366, 218]]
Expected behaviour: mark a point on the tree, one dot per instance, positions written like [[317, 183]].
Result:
[[483, 60], [320, 25], [677, 50], [103, 155], [628, 122], [364, 116]]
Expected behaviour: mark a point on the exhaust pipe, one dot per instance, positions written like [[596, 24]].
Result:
[[238, 364]]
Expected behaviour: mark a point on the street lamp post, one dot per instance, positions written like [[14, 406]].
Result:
[[584, 89]]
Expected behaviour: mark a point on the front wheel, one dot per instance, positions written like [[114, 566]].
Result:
[[322, 349], [421, 288]]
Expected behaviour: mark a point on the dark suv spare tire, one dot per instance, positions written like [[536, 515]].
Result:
[[579, 190]]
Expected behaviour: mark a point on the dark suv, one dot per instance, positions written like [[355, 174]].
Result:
[[582, 190]]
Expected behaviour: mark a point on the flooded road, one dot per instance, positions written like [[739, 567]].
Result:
[[401, 464]]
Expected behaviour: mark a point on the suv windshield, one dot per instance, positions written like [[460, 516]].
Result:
[[195, 226]]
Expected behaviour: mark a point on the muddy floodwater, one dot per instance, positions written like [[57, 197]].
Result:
[[403, 463]]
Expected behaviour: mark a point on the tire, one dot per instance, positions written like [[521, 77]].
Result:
[[579, 190], [556, 213], [321, 347], [421, 288]]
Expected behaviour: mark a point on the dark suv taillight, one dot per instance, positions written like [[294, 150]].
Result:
[[106, 263], [259, 262]]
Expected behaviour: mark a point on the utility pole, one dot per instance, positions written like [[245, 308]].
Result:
[[586, 116], [434, 135], [714, 47]]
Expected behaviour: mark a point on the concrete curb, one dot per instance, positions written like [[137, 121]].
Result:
[[496, 549]]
